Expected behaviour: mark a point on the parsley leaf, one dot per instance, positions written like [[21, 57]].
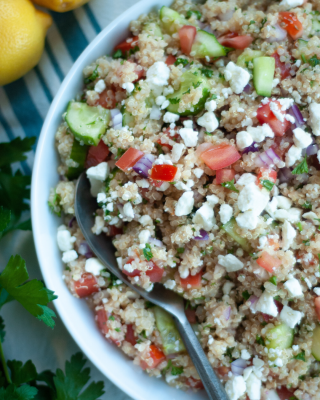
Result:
[[260, 340], [207, 72], [301, 356], [22, 373], [176, 370], [267, 184], [195, 12], [263, 21], [182, 61], [117, 54], [93, 76], [246, 295], [24, 392], [301, 168], [5, 216], [148, 304], [228, 352], [32, 295], [14, 151], [314, 61], [230, 185], [307, 205], [273, 280], [147, 252]]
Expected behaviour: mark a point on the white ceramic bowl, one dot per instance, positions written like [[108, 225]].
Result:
[[74, 312]]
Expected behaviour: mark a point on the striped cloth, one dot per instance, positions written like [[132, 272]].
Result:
[[25, 102]]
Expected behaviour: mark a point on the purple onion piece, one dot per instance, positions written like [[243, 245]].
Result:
[[253, 148], [143, 165], [285, 175], [156, 242], [312, 149], [116, 118], [279, 34], [238, 366], [296, 113], [227, 313], [203, 235], [272, 155], [267, 158], [71, 222], [248, 88], [85, 250], [253, 301]]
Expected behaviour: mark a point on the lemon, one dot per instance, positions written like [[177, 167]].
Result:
[[22, 35], [60, 5]]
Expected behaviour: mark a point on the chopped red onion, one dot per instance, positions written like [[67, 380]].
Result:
[[253, 301], [85, 250], [227, 313], [312, 149], [296, 113], [251, 149], [248, 88], [71, 222], [238, 366], [226, 16], [267, 158], [285, 175], [208, 29], [116, 118], [203, 235], [280, 34], [156, 242], [143, 165]]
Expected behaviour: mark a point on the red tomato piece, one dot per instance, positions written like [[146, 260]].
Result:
[[187, 34], [155, 274], [268, 262], [102, 319], [191, 315], [130, 335], [193, 280], [220, 156], [266, 116], [284, 393], [266, 174], [317, 306], [291, 24], [129, 159], [164, 172], [284, 70], [224, 175], [155, 183], [86, 285], [194, 383], [235, 41], [127, 45], [170, 60], [113, 231], [107, 99], [97, 154], [156, 355]]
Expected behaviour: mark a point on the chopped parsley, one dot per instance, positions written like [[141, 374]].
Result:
[[246, 295], [182, 61], [230, 185], [252, 22], [117, 329], [92, 77], [117, 54], [307, 205], [195, 12], [301, 168], [228, 352], [267, 184], [148, 304], [301, 356], [196, 85], [176, 370], [273, 280], [164, 370], [120, 152], [306, 242], [314, 61], [180, 250], [303, 58], [299, 226], [263, 21], [111, 318], [260, 340], [207, 72], [147, 252]]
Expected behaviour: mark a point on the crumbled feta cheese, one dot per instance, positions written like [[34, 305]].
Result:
[[259, 133], [290, 317], [145, 220], [163, 187], [301, 138], [128, 86], [168, 90], [69, 256], [143, 183], [184, 186], [169, 284], [204, 217], [230, 262], [100, 86], [165, 104], [308, 283], [246, 179], [158, 74], [293, 287], [243, 139], [128, 211], [294, 154], [189, 136], [276, 111], [253, 387], [184, 205], [101, 198], [177, 151], [267, 305], [247, 220], [109, 207], [237, 77], [96, 175], [94, 266], [225, 213], [317, 291], [288, 235], [252, 198], [311, 216], [160, 100], [98, 226], [226, 91], [286, 103], [314, 120], [170, 117], [198, 172], [208, 121], [128, 267], [65, 240], [226, 289], [210, 105], [245, 355], [235, 387], [283, 202], [144, 236], [155, 113], [291, 3], [212, 200]]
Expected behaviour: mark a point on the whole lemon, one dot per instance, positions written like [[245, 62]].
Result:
[[22, 35], [60, 5]]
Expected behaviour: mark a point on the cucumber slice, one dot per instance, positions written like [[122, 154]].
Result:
[[247, 56], [87, 123], [316, 25], [79, 155], [168, 332], [189, 79], [153, 29], [230, 228], [302, 43], [315, 348], [206, 44], [263, 74], [171, 20], [279, 337], [127, 118]]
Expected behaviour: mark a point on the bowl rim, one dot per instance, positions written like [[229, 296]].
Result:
[[46, 137]]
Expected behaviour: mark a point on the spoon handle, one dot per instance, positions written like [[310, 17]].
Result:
[[211, 382]]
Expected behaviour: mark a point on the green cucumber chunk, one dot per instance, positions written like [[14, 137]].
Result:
[[316, 25], [279, 337], [247, 56], [230, 228], [206, 44], [171, 20], [263, 74], [79, 155], [87, 123], [127, 118], [153, 29], [189, 79], [315, 348], [302, 43], [168, 332]]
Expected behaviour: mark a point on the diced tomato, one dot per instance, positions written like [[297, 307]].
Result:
[[266, 174], [133, 273], [220, 156], [291, 24], [164, 172], [113, 231], [224, 175], [127, 44], [194, 383], [129, 159], [155, 273], [266, 116], [97, 154], [107, 99], [222, 371], [130, 335], [155, 183], [191, 315], [156, 355], [187, 34], [285, 394], [317, 306], [278, 146], [273, 243], [86, 285], [102, 319], [268, 262], [170, 60], [235, 41], [193, 280], [285, 70]]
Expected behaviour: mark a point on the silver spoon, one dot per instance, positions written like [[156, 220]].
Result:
[[85, 207]]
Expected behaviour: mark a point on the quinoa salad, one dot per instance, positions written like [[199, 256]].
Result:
[[200, 135]]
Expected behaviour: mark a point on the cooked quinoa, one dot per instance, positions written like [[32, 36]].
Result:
[[207, 177]]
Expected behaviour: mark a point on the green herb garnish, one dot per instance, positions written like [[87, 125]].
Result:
[[147, 252], [301, 168], [230, 185], [267, 184]]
